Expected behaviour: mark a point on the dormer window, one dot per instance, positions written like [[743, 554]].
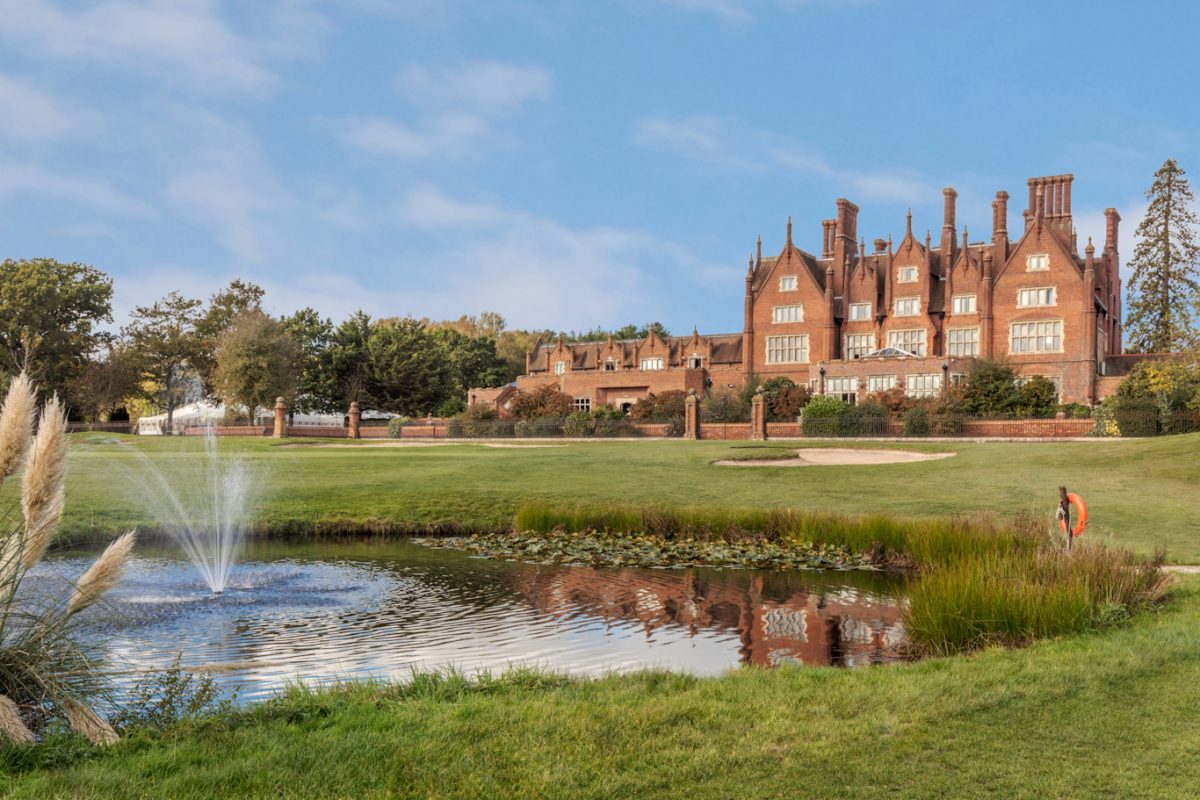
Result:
[[906, 275], [695, 361], [652, 363], [787, 283], [1037, 262], [610, 365], [560, 367]]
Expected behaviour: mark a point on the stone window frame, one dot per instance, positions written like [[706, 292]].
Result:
[[652, 364], [1036, 336], [905, 270], [779, 346], [560, 367], [853, 317], [842, 387], [954, 352], [695, 361], [788, 283], [1024, 292], [923, 384], [1042, 258], [880, 383], [610, 365], [793, 309], [973, 304], [922, 346], [916, 305], [847, 348]]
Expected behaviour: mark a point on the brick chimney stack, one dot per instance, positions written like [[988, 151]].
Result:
[[828, 232], [1111, 220], [1000, 225], [846, 240], [881, 245], [946, 256]]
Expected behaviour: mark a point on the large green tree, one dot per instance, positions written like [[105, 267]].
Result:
[[223, 308], [256, 361], [165, 345], [49, 318], [349, 362], [1164, 288], [315, 381], [101, 385], [408, 371]]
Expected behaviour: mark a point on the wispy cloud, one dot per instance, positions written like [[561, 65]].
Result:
[[28, 181], [30, 114], [187, 41], [455, 110], [745, 11], [729, 144]]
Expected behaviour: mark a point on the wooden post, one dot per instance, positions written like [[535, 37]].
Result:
[[355, 416], [280, 418]]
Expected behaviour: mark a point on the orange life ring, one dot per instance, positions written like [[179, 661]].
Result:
[[1080, 515]]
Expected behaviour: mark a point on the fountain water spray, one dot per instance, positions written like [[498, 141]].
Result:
[[201, 501]]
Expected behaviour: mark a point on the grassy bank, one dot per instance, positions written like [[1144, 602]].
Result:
[[1139, 492], [1081, 717]]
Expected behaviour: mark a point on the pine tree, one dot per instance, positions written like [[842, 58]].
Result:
[[1164, 290]]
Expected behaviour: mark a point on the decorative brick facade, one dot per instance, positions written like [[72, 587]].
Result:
[[849, 322]]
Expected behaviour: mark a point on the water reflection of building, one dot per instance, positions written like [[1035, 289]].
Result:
[[779, 619]]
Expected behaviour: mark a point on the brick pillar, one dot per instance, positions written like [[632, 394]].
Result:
[[280, 418], [355, 416], [758, 415], [691, 416]]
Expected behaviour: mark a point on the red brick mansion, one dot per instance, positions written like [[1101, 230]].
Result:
[[849, 322]]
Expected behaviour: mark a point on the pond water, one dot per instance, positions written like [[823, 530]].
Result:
[[382, 608]]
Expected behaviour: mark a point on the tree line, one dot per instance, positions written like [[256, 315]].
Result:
[[56, 324]]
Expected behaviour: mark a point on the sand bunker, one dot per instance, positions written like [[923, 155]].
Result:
[[839, 456]]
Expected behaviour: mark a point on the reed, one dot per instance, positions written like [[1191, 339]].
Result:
[[48, 679]]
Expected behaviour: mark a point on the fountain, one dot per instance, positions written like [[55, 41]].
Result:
[[200, 502]]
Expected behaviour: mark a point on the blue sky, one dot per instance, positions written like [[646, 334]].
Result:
[[566, 164]]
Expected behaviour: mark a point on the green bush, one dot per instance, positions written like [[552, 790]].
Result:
[[1075, 411], [578, 424], [450, 406], [916, 421], [674, 428], [866, 419], [724, 405], [1036, 397], [1136, 416], [823, 416]]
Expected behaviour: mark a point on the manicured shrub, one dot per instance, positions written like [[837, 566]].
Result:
[[823, 416], [916, 421], [1036, 397], [865, 419], [724, 405], [396, 426], [578, 424], [1075, 411]]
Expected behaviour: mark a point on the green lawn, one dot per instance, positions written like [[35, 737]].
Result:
[[1140, 493], [1108, 715]]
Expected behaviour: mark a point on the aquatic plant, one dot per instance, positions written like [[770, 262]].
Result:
[[46, 675]]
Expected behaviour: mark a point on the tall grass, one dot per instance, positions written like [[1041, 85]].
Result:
[[46, 676], [975, 581]]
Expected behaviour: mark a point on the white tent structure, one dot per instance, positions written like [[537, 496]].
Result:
[[199, 414]]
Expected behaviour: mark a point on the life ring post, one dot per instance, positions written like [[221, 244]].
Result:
[[1067, 501]]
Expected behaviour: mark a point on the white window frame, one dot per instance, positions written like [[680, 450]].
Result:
[[651, 363], [964, 336], [788, 349], [788, 313], [860, 311], [1037, 333], [560, 367], [901, 272], [610, 365], [920, 347], [913, 303], [923, 384], [843, 387], [860, 343], [582, 403], [1037, 262], [880, 383], [1032, 297], [787, 283], [963, 304], [695, 361]]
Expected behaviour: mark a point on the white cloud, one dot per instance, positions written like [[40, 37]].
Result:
[[218, 177], [426, 206], [729, 144], [745, 11], [29, 114], [186, 41], [23, 181], [481, 86], [457, 115]]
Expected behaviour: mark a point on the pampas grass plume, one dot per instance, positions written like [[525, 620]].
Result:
[[103, 574], [43, 486], [16, 425], [11, 724], [89, 724]]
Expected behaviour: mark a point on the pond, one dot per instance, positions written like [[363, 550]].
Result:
[[383, 608]]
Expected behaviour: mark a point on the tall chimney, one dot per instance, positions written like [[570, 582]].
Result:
[[949, 195], [846, 242], [1111, 219], [828, 229], [1000, 225]]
